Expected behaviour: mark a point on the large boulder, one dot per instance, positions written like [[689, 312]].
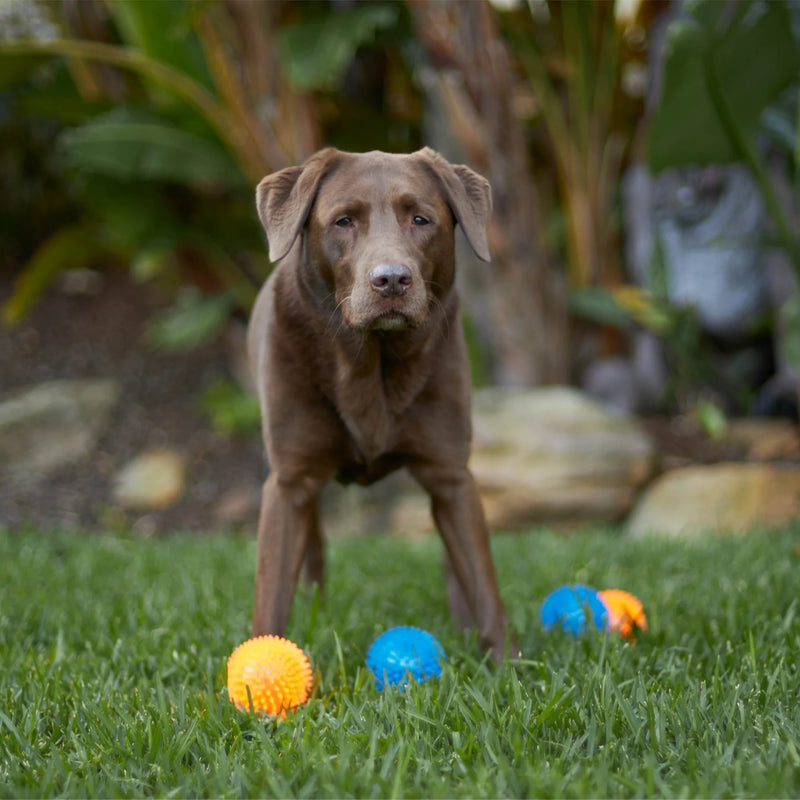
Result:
[[539, 456], [554, 455], [53, 424], [721, 498]]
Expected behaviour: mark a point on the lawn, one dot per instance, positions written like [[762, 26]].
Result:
[[113, 653]]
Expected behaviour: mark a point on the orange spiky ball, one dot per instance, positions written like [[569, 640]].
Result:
[[275, 670], [625, 612]]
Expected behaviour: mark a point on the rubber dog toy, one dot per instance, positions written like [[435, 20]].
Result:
[[568, 605], [625, 612], [271, 673], [402, 652]]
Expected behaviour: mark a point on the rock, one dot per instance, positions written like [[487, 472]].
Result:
[[238, 505], [612, 383], [540, 455], [723, 498], [552, 454], [154, 480], [395, 504], [53, 424], [765, 438]]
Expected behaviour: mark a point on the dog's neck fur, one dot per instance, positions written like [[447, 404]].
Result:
[[377, 377]]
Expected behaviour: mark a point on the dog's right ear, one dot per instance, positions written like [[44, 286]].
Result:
[[284, 200]]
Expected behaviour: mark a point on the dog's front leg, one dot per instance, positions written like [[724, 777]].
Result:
[[459, 605], [459, 517], [288, 524]]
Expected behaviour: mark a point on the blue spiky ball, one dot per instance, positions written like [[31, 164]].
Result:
[[404, 651], [570, 606]]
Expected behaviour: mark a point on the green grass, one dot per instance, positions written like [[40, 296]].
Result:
[[113, 650]]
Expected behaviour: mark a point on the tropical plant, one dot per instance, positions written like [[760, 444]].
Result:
[[573, 57], [535, 95], [172, 112]]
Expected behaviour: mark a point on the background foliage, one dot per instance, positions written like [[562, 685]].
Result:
[[135, 132]]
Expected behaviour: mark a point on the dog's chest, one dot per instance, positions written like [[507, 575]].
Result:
[[371, 425], [373, 401]]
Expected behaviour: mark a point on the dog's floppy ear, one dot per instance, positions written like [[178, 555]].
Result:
[[469, 196], [284, 200]]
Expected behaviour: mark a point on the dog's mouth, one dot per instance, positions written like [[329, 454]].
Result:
[[366, 311], [391, 321]]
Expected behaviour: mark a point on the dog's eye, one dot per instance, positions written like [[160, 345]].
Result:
[[343, 222], [418, 220]]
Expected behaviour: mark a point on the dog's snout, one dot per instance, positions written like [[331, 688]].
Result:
[[390, 280]]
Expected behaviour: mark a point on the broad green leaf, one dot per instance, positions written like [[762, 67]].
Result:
[[163, 30], [72, 247], [621, 306], [755, 56], [53, 95], [598, 305], [192, 321], [139, 150], [316, 52], [43, 87], [134, 219]]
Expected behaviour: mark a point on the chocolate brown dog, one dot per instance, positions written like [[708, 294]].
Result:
[[359, 358]]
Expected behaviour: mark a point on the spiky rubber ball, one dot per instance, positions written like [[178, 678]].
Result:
[[571, 607], [275, 670], [402, 652], [625, 612]]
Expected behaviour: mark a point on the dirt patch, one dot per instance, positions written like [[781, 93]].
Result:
[[680, 442], [102, 335]]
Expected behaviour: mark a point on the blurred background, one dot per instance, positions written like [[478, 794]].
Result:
[[644, 163]]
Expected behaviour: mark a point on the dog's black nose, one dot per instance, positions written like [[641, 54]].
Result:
[[390, 280]]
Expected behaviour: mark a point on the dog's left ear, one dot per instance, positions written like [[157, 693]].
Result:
[[469, 196]]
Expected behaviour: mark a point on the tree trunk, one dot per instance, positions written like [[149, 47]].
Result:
[[518, 303]]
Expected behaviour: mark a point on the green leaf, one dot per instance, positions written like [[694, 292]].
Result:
[[230, 409], [621, 307], [133, 149], [53, 95], [72, 247], [194, 320], [134, 219], [711, 419], [163, 31], [316, 53], [152, 262], [598, 305], [755, 56]]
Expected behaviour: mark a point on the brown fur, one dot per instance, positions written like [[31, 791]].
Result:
[[360, 363]]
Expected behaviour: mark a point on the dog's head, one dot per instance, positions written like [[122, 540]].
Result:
[[376, 230]]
